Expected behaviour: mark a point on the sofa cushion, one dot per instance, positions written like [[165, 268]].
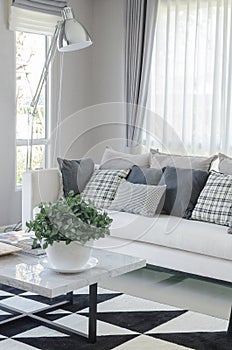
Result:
[[137, 198], [102, 187], [215, 201], [183, 189], [225, 164], [75, 173], [173, 232], [112, 159], [144, 176], [160, 160]]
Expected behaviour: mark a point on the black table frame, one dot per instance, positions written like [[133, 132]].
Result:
[[92, 322]]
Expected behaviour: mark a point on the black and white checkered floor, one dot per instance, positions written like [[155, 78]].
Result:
[[124, 323]]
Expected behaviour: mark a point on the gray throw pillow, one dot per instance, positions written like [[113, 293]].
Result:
[[75, 174], [144, 176], [183, 189]]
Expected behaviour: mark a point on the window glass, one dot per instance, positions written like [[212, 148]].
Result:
[[30, 57], [21, 156]]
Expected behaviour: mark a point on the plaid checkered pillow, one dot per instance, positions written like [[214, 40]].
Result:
[[102, 186], [215, 201]]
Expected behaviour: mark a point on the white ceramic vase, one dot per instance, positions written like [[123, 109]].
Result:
[[72, 256]]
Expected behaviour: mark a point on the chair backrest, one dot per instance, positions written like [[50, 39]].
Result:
[[39, 186]]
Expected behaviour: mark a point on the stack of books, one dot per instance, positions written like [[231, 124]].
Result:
[[23, 240]]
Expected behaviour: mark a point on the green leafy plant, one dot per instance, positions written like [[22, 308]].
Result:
[[69, 219]]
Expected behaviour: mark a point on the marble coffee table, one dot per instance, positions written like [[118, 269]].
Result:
[[33, 274]]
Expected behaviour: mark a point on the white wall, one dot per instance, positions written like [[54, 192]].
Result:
[[108, 54], [92, 80], [10, 199], [108, 75], [87, 132]]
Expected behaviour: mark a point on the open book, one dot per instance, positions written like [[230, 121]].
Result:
[[6, 249], [23, 240]]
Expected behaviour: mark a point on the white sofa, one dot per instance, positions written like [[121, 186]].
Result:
[[194, 247]]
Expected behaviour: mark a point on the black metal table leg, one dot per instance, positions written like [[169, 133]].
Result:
[[70, 297], [229, 329], [93, 313]]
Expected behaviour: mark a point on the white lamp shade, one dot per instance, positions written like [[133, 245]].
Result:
[[72, 36]]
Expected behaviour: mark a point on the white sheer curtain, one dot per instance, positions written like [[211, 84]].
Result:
[[191, 76]]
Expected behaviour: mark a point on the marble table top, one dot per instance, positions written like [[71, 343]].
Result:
[[33, 273]]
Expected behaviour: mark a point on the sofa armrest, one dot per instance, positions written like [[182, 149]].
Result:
[[39, 186]]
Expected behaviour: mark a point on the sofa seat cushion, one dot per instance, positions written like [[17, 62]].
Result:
[[173, 232]]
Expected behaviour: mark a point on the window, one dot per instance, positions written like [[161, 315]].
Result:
[[191, 76], [30, 57]]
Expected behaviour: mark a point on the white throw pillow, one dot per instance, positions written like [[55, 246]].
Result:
[[137, 198], [112, 159], [225, 164], [160, 160], [102, 187]]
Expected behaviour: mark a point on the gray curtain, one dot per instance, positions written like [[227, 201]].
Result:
[[141, 18]]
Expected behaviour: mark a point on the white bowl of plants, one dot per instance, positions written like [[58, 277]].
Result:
[[66, 229]]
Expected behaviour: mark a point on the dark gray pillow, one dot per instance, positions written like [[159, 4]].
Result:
[[75, 174], [183, 189], [144, 176]]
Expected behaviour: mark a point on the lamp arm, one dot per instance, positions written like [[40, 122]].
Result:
[[35, 100], [43, 77]]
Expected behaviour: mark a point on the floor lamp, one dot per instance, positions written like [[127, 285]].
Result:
[[69, 35]]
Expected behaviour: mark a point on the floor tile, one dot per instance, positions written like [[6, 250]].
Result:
[[80, 323], [138, 321], [148, 343], [40, 331], [58, 311], [4, 313], [4, 294], [10, 344], [23, 304], [130, 303], [191, 322]]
